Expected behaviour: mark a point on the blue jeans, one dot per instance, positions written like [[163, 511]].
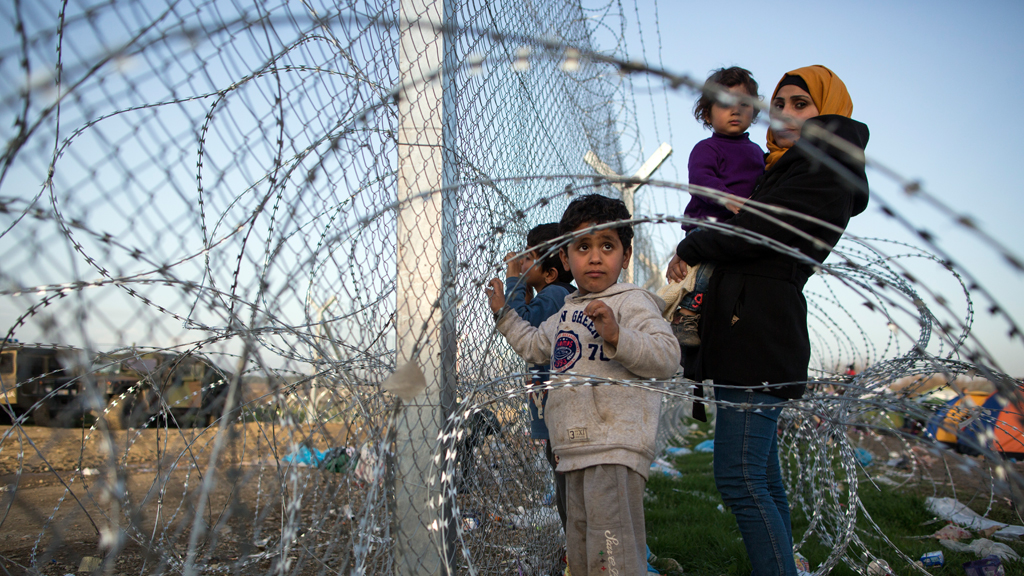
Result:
[[692, 300], [749, 478]]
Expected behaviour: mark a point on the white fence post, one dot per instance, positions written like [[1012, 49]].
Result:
[[425, 268]]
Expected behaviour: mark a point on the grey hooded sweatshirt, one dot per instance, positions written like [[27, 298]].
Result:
[[591, 425]]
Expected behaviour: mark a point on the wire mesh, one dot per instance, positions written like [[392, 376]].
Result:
[[227, 226]]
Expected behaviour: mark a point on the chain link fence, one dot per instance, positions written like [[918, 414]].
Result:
[[225, 225]]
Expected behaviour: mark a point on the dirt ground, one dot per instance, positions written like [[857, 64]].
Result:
[[59, 450], [59, 493]]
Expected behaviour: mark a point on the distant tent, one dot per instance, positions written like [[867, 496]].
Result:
[[921, 384], [947, 420], [1005, 419]]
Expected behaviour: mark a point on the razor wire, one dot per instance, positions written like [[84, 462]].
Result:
[[225, 231]]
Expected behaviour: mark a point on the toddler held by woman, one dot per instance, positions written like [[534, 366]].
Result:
[[727, 162]]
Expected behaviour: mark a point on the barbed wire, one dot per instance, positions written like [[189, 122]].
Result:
[[227, 227]]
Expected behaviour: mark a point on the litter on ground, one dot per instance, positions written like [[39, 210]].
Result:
[[987, 566], [958, 513], [951, 532], [304, 456], [982, 547], [663, 467], [864, 457]]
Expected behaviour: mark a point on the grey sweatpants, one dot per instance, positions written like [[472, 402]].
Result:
[[605, 533]]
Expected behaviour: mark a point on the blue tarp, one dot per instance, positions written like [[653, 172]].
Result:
[[705, 446], [305, 455]]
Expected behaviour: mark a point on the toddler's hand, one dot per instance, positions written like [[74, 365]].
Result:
[[495, 291], [514, 262], [677, 269], [735, 206], [604, 321]]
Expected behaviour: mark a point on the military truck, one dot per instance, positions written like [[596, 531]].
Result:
[[57, 388], [187, 390], [43, 380]]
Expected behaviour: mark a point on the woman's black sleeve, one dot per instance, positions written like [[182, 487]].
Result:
[[819, 180], [816, 193]]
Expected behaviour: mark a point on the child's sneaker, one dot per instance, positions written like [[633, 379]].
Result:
[[686, 330]]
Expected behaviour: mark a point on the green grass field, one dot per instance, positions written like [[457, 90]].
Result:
[[684, 522]]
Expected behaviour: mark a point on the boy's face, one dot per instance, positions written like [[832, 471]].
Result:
[[595, 259], [533, 273], [732, 120]]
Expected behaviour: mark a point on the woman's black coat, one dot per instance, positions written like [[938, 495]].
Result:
[[754, 317]]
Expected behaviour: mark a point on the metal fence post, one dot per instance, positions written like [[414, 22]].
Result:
[[426, 276], [449, 255]]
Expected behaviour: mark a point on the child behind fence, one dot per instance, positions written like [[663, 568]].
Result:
[[535, 287], [604, 435]]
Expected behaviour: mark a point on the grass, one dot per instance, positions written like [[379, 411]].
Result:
[[684, 522]]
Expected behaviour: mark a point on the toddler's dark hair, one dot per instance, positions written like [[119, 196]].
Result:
[[597, 209], [541, 234], [727, 77]]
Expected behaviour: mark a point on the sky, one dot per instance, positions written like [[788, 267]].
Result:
[[927, 78], [936, 83]]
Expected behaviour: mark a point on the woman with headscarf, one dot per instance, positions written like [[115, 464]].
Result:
[[755, 344]]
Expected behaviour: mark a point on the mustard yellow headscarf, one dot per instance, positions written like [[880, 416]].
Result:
[[828, 94]]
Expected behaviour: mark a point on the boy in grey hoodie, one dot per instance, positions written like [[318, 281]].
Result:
[[603, 436]]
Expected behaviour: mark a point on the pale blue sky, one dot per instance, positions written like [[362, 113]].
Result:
[[931, 80], [936, 82]]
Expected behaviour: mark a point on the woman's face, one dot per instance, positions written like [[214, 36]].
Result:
[[792, 106]]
